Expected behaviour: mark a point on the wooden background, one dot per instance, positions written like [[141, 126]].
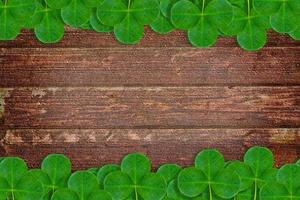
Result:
[[97, 100]]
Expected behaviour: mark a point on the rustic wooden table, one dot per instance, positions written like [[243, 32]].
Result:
[[97, 100]]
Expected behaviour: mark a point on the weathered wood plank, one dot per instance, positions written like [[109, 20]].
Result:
[[94, 147], [158, 107], [58, 67], [84, 38]]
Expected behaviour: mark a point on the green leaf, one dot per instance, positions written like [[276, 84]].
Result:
[[144, 11], [37, 17], [185, 15], [152, 186], [98, 25], [169, 171], [58, 4], [44, 180], [136, 165], [266, 6], [295, 34], [58, 168], [93, 3], [65, 194], [83, 183], [119, 185], [203, 34], [93, 170], [289, 175], [226, 185], [192, 182], [106, 170], [162, 25], [128, 17], [260, 159], [51, 28], [210, 161], [76, 13], [112, 12], [24, 188], [13, 169], [277, 191], [244, 172], [285, 20], [100, 195]]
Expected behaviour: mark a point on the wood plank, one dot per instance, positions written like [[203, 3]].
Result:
[[95, 147], [84, 38], [29, 67], [158, 107]]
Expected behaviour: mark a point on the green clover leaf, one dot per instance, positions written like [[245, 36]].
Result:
[[83, 183], [50, 29], [13, 14], [106, 170], [58, 4], [209, 174], [58, 168], [76, 14], [98, 25], [163, 24], [128, 17], [135, 180], [202, 19], [249, 25], [16, 182], [278, 191], [169, 171], [283, 13]]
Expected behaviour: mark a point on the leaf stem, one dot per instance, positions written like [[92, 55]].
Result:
[[249, 8], [255, 190], [210, 192], [203, 5]]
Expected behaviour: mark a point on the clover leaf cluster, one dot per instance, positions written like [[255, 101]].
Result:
[[203, 20], [210, 178]]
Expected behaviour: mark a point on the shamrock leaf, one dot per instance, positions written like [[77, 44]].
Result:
[[209, 174], [104, 171], [76, 14], [287, 187], [249, 25], [256, 171], [128, 17], [97, 24], [58, 168], [163, 24], [135, 180], [83, 183], [174, 193], [13, 14], [16, 183], [93, 170], [283, 13], [47, 23], [58, 4], [202, 19], [44, 180], [169, 171]]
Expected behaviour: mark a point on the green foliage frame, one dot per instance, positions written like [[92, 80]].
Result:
[[203, 20], [210, 178]]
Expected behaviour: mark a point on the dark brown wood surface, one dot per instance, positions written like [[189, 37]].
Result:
[[96, 100]]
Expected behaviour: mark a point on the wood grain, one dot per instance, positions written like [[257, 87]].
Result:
[[96, 100], [95, 147], [94, 67], [165, 107], [83, 38]]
